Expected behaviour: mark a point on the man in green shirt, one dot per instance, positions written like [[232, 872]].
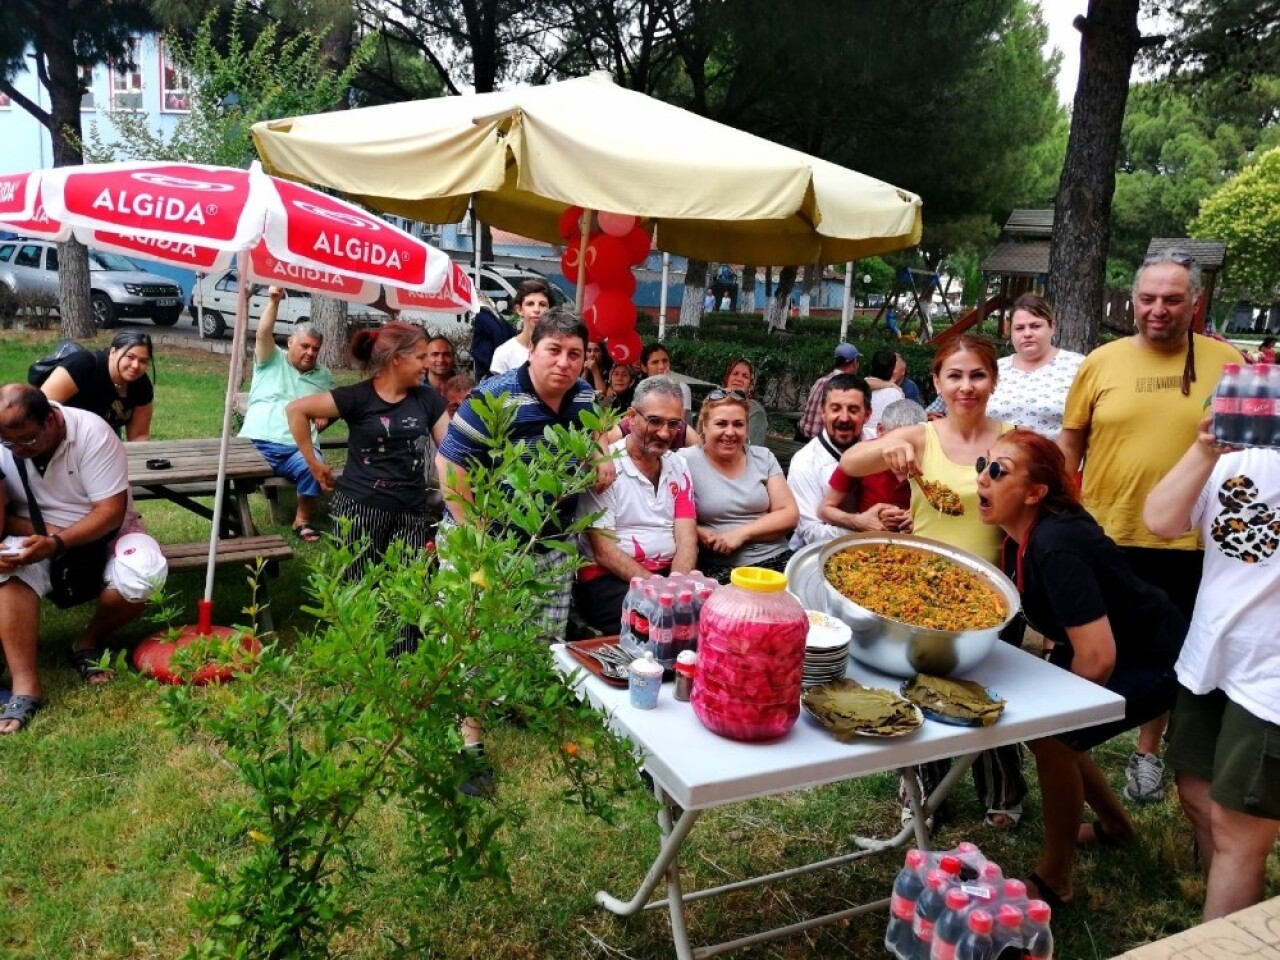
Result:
[[280, 377]]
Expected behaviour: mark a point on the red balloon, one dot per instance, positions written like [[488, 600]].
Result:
[[571, 224], [624, 283], [152, 657], [637, 242], [626, 347], [613, 313], [569, 263], [615, 224], [606, 259], [589, 294]]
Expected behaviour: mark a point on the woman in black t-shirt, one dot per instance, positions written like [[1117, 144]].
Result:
[[112, 383], [383, 488], [1099, 621]]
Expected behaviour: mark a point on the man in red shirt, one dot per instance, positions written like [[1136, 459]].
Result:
[[849, 501]]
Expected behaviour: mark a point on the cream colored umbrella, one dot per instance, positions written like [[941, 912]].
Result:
[[524, 155]]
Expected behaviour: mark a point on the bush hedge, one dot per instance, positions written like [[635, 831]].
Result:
[[787, 362]]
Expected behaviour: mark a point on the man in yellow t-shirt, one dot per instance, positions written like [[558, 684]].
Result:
[[1131, 412]]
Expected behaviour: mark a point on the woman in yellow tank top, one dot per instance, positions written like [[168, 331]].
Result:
[[945, 451]]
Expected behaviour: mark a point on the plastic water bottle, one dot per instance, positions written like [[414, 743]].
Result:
[[953, 867], [1015, 893], [907, 887], [950, 926], [933, 900], [1037, 939], [976, 942], [627, 638], [1227, 426], [1007, 935]]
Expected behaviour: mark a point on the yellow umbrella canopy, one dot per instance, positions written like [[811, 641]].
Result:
[[524, 155]]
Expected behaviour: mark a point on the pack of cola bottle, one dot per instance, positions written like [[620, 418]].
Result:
[[1246, 405], [959, 906], [660, 615]]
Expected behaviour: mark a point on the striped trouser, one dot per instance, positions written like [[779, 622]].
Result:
[[997, 777], [376, 527]]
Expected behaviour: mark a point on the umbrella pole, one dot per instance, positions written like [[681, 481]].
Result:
[[662, 300], [584, 225], [847, 308], [233, 378]]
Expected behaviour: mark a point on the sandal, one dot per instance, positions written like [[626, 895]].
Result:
[[1102, 837], [1048, 894], [88, 663], [1007, 819], [21, 709], [306, 533]]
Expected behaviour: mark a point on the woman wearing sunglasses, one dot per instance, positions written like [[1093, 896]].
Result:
[[745, 509], [112, 383], [741, 376], [943, 451], [1099, 620]]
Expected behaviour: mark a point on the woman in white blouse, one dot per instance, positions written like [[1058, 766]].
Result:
[[1031, 389]]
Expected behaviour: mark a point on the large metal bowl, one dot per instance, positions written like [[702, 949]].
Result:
[[899, 649]]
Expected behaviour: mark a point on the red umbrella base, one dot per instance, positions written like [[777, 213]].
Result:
[[153, 656]]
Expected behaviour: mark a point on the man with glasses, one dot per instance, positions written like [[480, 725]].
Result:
[[1131, 412], [77, 471], [648, 524], [279, 378]]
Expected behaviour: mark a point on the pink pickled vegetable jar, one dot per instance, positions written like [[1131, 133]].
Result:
[[750, 657]]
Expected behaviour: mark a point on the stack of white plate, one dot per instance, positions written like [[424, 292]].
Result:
[[826, 649]]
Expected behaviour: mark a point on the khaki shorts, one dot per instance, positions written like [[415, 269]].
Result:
[[1215, 739]]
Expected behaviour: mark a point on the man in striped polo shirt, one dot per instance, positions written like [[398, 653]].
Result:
[[546, 390]]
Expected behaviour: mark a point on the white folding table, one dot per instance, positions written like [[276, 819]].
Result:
[[693, 769]]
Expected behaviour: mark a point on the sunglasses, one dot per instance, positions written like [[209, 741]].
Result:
[[1180, 257], [657, 423], [992, 468], [719, 393]]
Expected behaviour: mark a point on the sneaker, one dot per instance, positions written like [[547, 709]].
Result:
[[1144, 778]]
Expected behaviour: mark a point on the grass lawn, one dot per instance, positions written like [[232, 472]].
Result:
[[100, 808]]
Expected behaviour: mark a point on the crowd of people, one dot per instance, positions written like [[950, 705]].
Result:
[[1143, 552]]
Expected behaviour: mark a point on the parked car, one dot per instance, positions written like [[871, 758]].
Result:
[[118, 287], [213, 306]]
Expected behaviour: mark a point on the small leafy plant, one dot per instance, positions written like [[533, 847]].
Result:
[[321, 733]]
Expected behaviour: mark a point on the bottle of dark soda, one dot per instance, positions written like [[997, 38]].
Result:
[[950, 926], [1257, 407], [1037, 939], [933, 900], [662, 631], [1006, 938], [686, 622], [907, 887], [1227, 426], [976, 942]]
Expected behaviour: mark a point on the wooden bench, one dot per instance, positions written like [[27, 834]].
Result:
[[784, 450], [233, 551]]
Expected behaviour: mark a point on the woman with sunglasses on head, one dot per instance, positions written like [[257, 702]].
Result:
[[1099, 620], [112, 383], [744, 507], [740, 375], [943, 451]]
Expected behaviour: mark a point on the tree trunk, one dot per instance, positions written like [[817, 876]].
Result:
[[330, 317], [779, 306], [809, 287], [63, 122], [748, 304], [1110, 40], [695, 287]]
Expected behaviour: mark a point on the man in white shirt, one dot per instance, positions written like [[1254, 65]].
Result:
[[78, 473], [649, 524], [846, 401]]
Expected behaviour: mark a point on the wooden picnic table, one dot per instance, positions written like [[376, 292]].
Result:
[[193, 473]]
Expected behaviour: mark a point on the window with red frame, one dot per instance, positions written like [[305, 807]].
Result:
[[126, 80]]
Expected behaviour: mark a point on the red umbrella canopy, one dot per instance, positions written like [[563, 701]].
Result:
[[198, 216]]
